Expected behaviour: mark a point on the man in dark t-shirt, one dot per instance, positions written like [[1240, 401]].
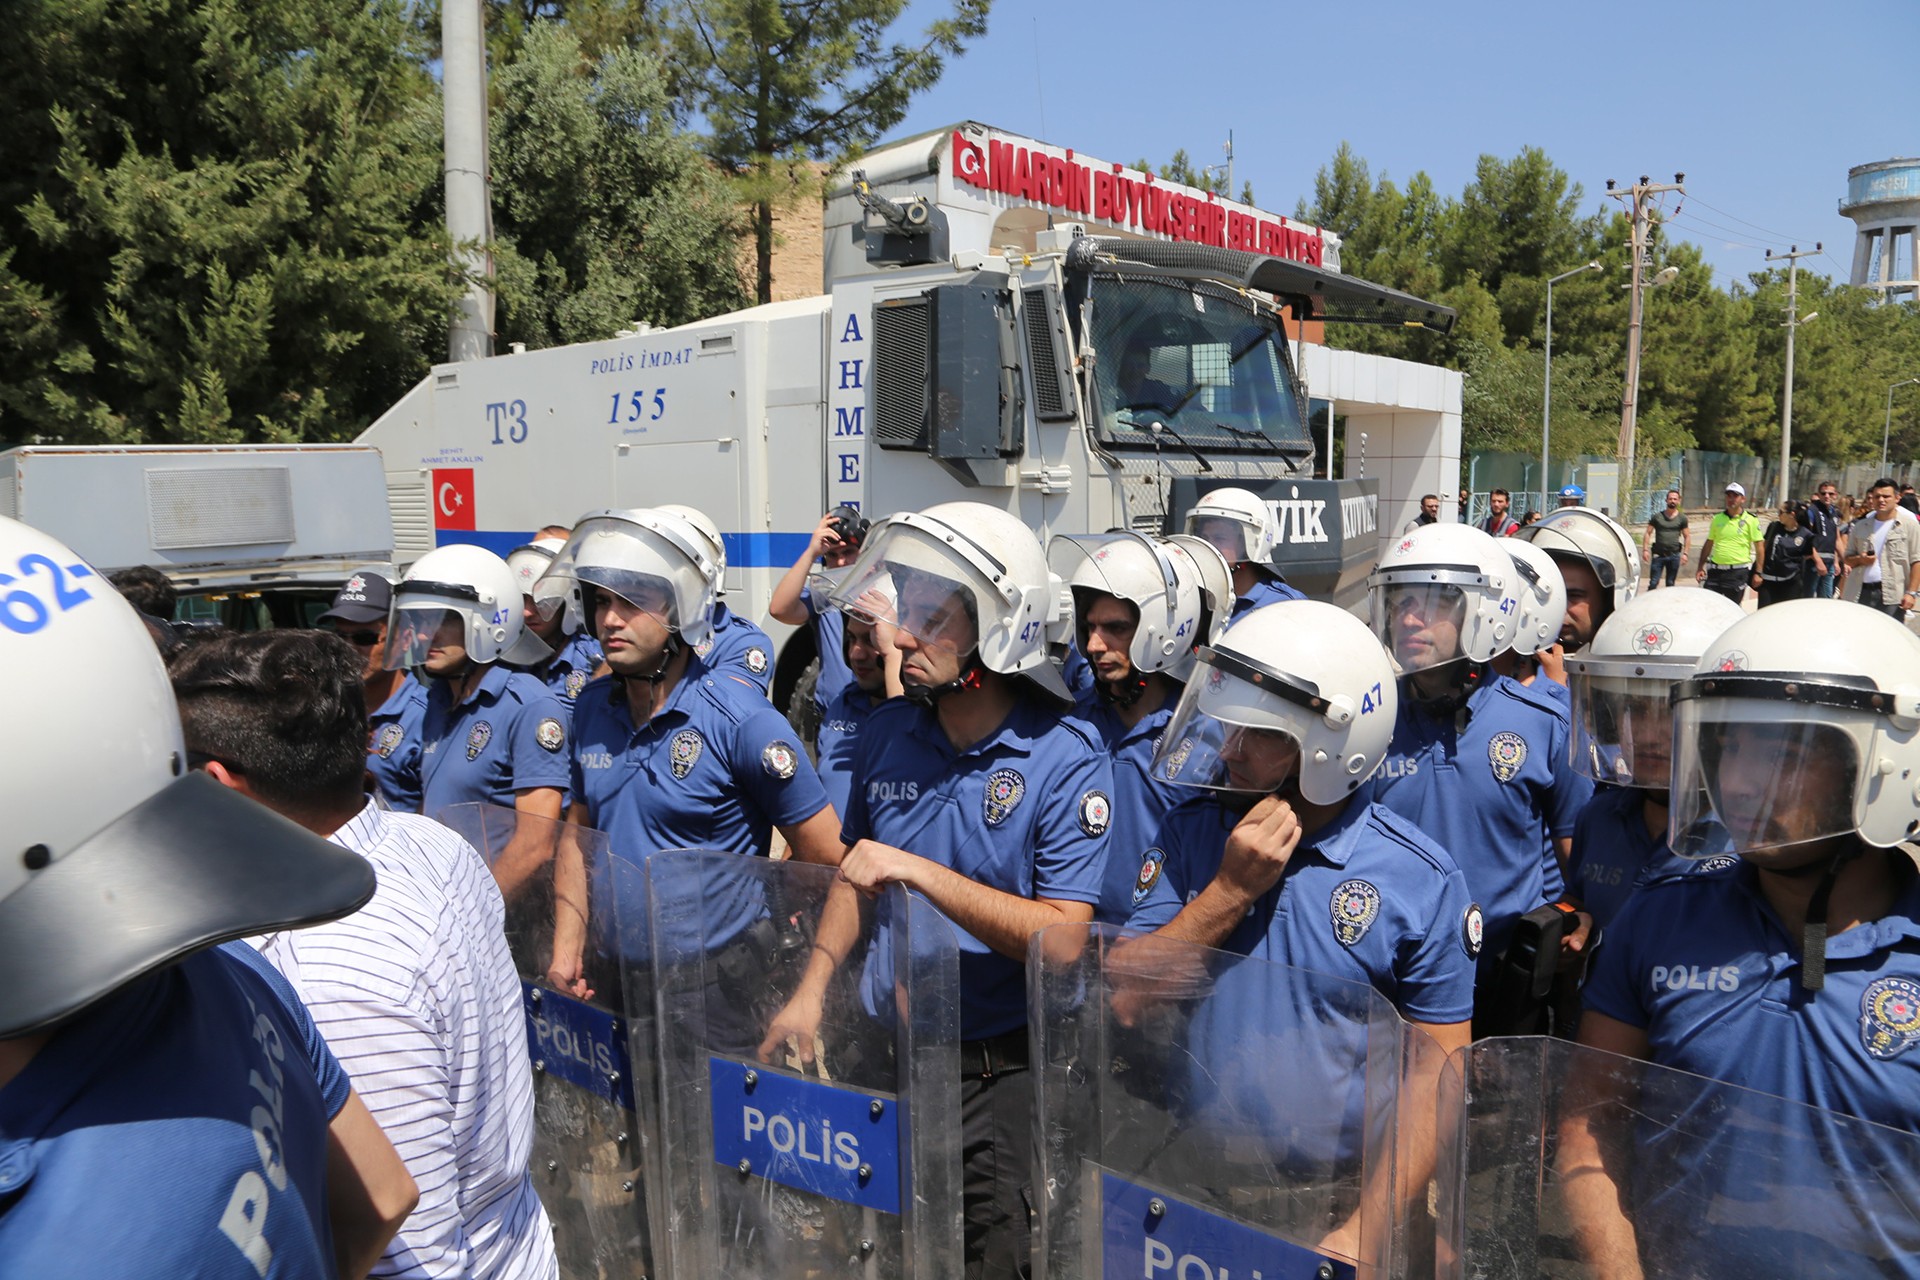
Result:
[[1824, 523], [1666, 542]]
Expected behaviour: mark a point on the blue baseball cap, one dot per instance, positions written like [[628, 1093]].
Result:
[[1574, 491]]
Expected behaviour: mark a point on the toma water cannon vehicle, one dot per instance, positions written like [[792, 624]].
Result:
[[1005, 322]]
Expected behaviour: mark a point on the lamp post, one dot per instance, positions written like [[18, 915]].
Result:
[[1546, 398], [1887, 430]]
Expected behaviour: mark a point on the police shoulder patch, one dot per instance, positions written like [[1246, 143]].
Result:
[[757, 660], [1356, 905], [576, 681], [477, 739], [1473, 931], [1889, 1017], [684, 751], [1149, 874], [1718, 862], [1096, 811], [551, 735], [1506, 752], [1005, 787], [780, 759], [390, 736]]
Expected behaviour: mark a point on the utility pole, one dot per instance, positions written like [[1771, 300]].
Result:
[[1792, 260], [463, 88], [1639, 199]]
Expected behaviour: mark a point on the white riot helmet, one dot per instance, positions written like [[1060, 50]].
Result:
[[640, 555], [1444, 572], [530, 564], [1249, 511], [1622, 722], [1543, 598], [117, 861], [1800, 723], [1591, 536], [702, 522], [465, 587], [988, 556], [1162, 580], [1299, 675]]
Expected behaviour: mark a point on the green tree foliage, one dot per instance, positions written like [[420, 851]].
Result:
[[216, 219], [604, 213], [786, 81]]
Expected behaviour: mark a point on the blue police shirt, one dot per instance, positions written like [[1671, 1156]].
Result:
[[1491, 793], [830, 638], [567, 672], [738, 648], [510, 736], [178, 1128], [1703, 965], [715, 768], [838, 742], [394, 743], [1271, 589], [1140, 800], [1613, 854], [1024, 810]]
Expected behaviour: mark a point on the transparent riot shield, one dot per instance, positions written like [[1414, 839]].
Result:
[[1203, 1114], [594, 1088], [1565, 1161], [810, 1072]]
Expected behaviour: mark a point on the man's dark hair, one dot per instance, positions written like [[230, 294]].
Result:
[[1501, 493], [283, 709], [1426, 496], [1884, 482], [146, 589]]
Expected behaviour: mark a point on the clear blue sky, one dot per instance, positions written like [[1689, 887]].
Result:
[[1763, 105]]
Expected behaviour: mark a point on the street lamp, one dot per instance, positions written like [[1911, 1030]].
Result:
[[1546, 398], [1887, 430]]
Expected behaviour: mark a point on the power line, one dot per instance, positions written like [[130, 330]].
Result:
[[1743, 222]]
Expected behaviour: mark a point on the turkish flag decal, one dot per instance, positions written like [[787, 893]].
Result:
[[969, 161], [451, 492]]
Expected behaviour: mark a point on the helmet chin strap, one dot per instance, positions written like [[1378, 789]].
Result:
[[1122, 693], [1467, 680], [1813, 935], [925, 695], [668, 653]]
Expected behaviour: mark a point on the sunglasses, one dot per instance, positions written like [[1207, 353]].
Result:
[[359, 639]]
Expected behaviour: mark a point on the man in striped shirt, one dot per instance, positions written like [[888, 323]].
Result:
[[416, 993]]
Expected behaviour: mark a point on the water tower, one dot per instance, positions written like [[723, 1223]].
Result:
[[1883, 199]]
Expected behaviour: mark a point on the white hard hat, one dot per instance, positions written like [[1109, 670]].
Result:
[[1163, 580], [1623, 725], [1596, 538], [1302, 668], [530, 563], [702, 522], [117, 860], [985, 553], [472, 584], [1799, 723], [1543, 598], [1450, 566], [1249, 511], [624, 552]]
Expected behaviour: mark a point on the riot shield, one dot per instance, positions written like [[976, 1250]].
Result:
[[594, 1089], [810, 1072], [1204, 1114], [1565, 1161]]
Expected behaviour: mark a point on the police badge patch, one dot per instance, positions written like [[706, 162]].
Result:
[[780, 759], [1733, 660], [704, 647], [478, 738], [389, 739], [1718, 862], [550, 735], [1004, 789], [1149, 875], [1096, 811], [757, 660], [576, 681], [1473, 931], [1356, 904], [1653, 638], [1890, 1017], [1506, 752], [1177, 759], [684, 751]]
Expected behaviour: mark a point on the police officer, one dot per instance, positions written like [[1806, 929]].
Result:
[[668, 752], [1141, 606], [1242, 527], [396, 702], [1478, 760], [1599, 562], [1794, 971], [1533, 658], [490, 735], [1623, 736], [167, 1107], [976, 791], [800, 598], [572, 654], [874, 660], [734, 644]]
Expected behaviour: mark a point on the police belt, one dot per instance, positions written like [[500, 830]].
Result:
[[996, 1055]]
